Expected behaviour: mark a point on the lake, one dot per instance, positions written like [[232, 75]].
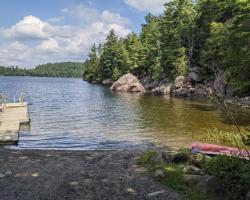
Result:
[[73, 114]]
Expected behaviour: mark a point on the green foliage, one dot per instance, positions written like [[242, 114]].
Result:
[[173, 175], [116, 74], [214, 50], [181, 63], [134, 49], [223, 137], [177, 27], [148, 160], [65, 69], [210, 34], [91, 71], [234, 173], [151, 53], [237, 58]]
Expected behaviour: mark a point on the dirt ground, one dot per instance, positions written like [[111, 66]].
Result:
[[70, 175]]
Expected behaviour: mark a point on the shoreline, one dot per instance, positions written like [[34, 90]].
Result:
[[76, 175], [184, 88]]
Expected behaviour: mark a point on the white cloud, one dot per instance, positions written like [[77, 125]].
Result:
[[153, 6], [49, 46], [29, 27], [86, 14], [33, 41], [15, 53], [116, 18]]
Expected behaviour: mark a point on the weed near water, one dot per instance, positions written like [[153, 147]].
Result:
[[223, 137]]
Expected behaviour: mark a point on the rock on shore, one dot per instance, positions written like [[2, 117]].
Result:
[[128, 83], [190, 86]]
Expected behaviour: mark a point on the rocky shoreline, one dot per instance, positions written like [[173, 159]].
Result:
[[190, 86]]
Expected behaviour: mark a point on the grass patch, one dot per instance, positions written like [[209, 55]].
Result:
[[223, 137], [174, 179], [148, 160], [173, 174]]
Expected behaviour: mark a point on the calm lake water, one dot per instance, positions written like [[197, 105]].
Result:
[[73, 114]]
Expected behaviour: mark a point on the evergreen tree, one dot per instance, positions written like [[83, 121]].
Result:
[[150, 53], [177, 33]]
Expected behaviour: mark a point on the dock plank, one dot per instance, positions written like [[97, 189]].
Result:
[[11, 118]]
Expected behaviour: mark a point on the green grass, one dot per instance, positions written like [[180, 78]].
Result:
[[148, 160], [174, 179], [223, 137], [173, 176]]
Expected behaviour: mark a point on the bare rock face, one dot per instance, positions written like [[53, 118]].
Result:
[[194, 74], [182, 87], [128, 83], [163, 90]]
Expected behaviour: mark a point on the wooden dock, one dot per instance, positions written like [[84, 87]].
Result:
[[11, 117]]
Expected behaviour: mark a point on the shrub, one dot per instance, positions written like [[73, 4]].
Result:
[[148, 159], [234, 173]]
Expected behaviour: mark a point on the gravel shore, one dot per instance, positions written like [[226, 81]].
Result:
[[59, 175]]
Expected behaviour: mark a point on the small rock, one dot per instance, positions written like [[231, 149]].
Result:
[[2, 175], [193, 76], [159, 173], [163, 90], [179, 81], [131, 190], [107, 81], [8, 172], [73, 183], [156, 193], [190, 169]]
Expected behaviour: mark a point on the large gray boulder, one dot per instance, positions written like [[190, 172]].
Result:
[[128, 83]]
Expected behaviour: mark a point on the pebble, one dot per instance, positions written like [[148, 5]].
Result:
[[156, 193], [8, 172], [2, 175], [159, 173]]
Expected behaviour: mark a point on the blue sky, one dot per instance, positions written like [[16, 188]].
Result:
[[41, 31]]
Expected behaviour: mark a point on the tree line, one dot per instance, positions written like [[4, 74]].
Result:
[[64, 69], [210, 35]]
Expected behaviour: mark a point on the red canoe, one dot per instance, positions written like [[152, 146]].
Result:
[[213, 149]]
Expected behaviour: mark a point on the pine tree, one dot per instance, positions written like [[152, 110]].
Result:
[[151, 46], [108, 60]]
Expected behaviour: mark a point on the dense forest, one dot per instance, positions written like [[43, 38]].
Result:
[[210, 35], [64, 69]]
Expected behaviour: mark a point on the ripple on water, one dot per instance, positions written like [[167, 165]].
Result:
[[72, 114]]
